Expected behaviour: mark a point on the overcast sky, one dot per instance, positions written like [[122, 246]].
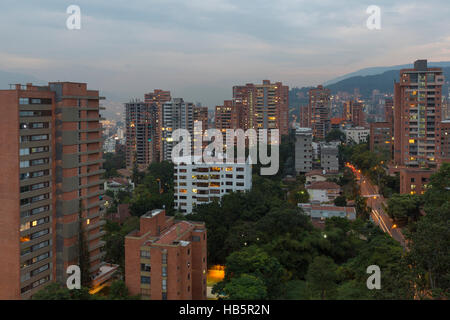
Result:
[[199, 49]]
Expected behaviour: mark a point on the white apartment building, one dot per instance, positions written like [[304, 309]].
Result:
[[109, 145], [356, 135], [205, 182]]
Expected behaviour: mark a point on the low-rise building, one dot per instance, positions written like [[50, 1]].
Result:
[[166, 259], [118, 184], [322, 212], [414, 180], [315, 176], [323, 191]]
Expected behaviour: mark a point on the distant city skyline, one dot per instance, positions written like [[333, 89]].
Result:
[[200, 49]]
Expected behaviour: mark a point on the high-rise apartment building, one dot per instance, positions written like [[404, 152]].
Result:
[[166, 259], [158, 97], [319, 110], [303, 150], [51, 186], [381, 137], [354, 113], [176, 114], [389, 111], [201, 115], [141, 121], [417, 115], [305, 121], [200, 126], [226, 116], [444, 128], [329, 156], [263, 106]]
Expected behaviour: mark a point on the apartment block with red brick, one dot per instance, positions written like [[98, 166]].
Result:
[[156, 99], [444, 149], [226, 116], [414, 180], [381, 137], [319, 110], [166, 259], [417, 115], [263, 106], [353, 112], [389, 111], [51, 185]]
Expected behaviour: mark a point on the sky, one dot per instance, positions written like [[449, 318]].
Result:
[[199, 49]]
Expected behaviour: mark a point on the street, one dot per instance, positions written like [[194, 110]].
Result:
[[376, 201]]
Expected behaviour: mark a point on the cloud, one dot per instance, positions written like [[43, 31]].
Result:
[[200, 48]]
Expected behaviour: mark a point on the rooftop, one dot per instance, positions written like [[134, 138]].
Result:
[[323, 185]]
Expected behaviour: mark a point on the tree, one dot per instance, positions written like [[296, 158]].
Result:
[[113, 162], [362, 211], [56, 291], [335, 135], [404, 207], [381, 250], [118, 291], [299, 195], [256, 262], [438, 190], [429, 253], [322, 277], [245, 287], [340, 201], [115, 240]]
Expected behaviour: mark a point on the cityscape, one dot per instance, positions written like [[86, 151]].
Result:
[[335, 187]]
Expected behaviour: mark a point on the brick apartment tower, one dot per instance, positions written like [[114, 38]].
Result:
[[445, 141], [263, 106], [200, 116], [166, 259], [354, 113], [158, 97], [51, 173], [319, 110], [141, 133], [417, 115], [226, 116], [389, 111], [305, 121]]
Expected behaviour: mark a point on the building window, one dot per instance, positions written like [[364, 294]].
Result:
[[23, 100], [145, 254], [164, 271], [145, 267], [164, 284], [145, 280]]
